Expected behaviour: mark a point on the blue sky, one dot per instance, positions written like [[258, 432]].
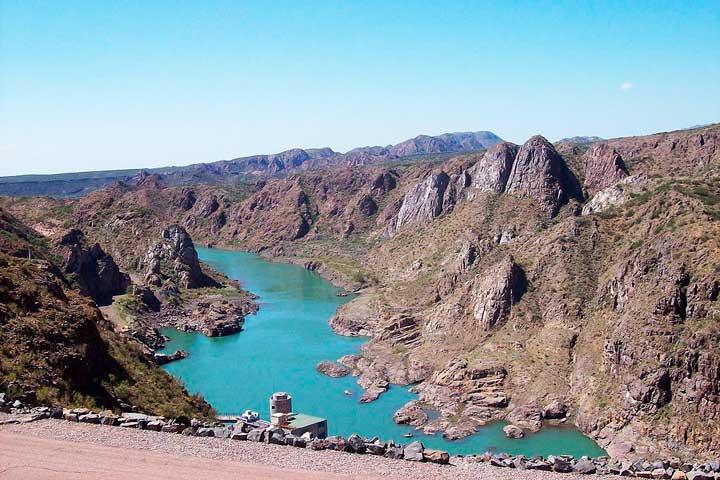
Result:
[[88, 85]]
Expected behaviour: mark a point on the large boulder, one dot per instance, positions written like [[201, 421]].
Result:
[[336, 442], [355, 444], [394, 451], [562, 465], [414, 452], [584, 467], [555, 410], [256, 435], [436, 456], [513, 431]]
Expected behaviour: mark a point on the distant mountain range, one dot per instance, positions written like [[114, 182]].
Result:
[[582, 140], [251, 168]]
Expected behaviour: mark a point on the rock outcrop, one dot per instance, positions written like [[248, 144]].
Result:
[[603, 167], [491, 172], [513, 431], [174, 259], [614, 195], [495, 293], [332, 369], [411, 414], [95, 272], [424, 201], [539, 172], [213, 316]]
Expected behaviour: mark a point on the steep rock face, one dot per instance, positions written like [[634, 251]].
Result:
[[697, 371], [491, 173], [539, 172], [603, 167], [281, 211], [455, 191], [95, 271], [496, 292], [384, 182], [173, 258], [424, 201], [207, 206], [187, 200]]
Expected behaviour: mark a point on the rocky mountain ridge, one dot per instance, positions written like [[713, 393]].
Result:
[[504, 282], [247, 168]]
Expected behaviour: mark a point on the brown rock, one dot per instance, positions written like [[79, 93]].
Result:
[[436, 456], [539, 172], [491, 172], [411, 414], [555, 410], [513, 431], [603, 167], [496, 292], [332, 369]]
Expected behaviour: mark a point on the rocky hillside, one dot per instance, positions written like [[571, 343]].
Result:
[[537, 283], [232, 172], [56, 346]]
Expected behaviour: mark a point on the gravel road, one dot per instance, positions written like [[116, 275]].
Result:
[[52, 449]]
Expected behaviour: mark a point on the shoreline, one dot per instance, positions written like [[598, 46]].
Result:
[[334, 277]]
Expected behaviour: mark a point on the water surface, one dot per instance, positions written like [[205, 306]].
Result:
[[282, 343]]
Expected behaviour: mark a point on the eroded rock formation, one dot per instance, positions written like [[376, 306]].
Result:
[[539, 172], [174, 259], [95, 271]]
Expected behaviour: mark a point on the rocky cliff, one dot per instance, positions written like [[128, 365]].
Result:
[[173, 260], [96, 272]]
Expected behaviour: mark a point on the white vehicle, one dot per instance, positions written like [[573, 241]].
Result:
[[250, 416]]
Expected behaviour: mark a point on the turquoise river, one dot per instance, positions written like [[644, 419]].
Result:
[[280, 346]]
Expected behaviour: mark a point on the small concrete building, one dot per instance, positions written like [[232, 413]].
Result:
[[300, 423], [281, 414]]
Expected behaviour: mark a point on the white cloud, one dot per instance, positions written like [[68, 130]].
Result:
[[626, 86]]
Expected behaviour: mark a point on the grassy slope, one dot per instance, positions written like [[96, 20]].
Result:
[[57, 343]]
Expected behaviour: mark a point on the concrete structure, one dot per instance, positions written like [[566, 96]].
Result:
[[280, 402], [279, 419], [300, 423], [281, 414]]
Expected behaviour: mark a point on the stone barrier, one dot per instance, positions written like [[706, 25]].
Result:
[[672, 469]]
